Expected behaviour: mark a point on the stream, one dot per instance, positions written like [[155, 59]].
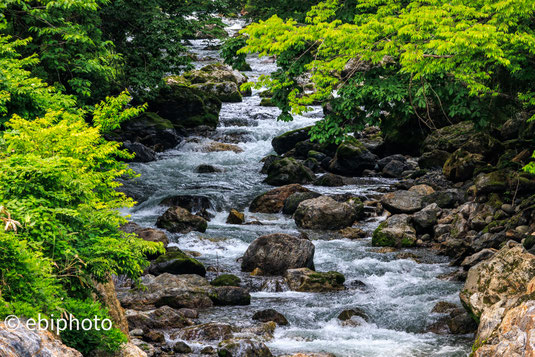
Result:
[[399, 294]]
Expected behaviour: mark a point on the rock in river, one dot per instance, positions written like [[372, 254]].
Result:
[[176, 262], [402, 202], [396, 231], [287, 171], [306, 280], [275, 253], [180, 220], [274, 200], [352, 158], [324, 213]]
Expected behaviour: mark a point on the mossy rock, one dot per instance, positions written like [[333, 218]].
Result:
[[226, 280], [266, 102], [176, 262], [287, 171]]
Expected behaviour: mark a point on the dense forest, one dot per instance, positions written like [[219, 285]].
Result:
[[79, 78]]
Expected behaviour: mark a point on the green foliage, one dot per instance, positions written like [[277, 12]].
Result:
[[229, 52], [93, 339], [432, 61], [59, 204], [264, 9]]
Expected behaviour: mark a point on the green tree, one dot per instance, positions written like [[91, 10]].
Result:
[[428, 60]]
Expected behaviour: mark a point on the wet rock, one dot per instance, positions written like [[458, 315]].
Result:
[[293, 201], [461, 323], [243, 348], [402, 202], [348, 314], [433, 159], [141, 152], [212, 331], [181, 347], [186, 107], [444, 199], [176, 262], [20, 341], [161, 318], [180, 220], [396, 231], [235, 217], [226, 280], [443, 307], [198, 205], [307, 280], [273, 254], [287, 141], [396, 168], [324, 213], [329, 180], [208, 350], [215, 146], [230, 296], [480, 256], [270, 315], [461, 164], [150, 130], [502, 277], [426, 218], [352, 158], [287, 171], [154, 337], [207, 169], [268, 160], [352, 233], [274, 200], [176, 291]]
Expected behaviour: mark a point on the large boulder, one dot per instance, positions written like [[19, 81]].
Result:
[[287, 171], [505, 276], [19, 341], [275, 253], [352, 158], [426, 218], [198, 205], [287, 141], [176, 262], [402, 201], [224, 91], [186, 107], [324, 213], [396, 231], [307, 280], [176, 291], [496, 181], [449, 138], [433, 160], [140, 151], [150, 130], [163, 317], [270, 315], [230, 295], [273, 201], [180, 220], [209, 332], [461, 164], [216, 72], [293, 201]]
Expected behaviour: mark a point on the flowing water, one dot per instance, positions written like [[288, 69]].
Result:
[[398, 296]]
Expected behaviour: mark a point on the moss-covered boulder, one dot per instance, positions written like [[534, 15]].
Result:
[[186, 106], [287, 141], [496, 181], [461, 164], [176, 262], [180, 220], [230, 296], [224, 91], [215, 73], [226, 280], [307, 280], [448, 138], [352, 158], [287, 171], [395, 232], [235, 217], [292, 202], [148, 129]]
